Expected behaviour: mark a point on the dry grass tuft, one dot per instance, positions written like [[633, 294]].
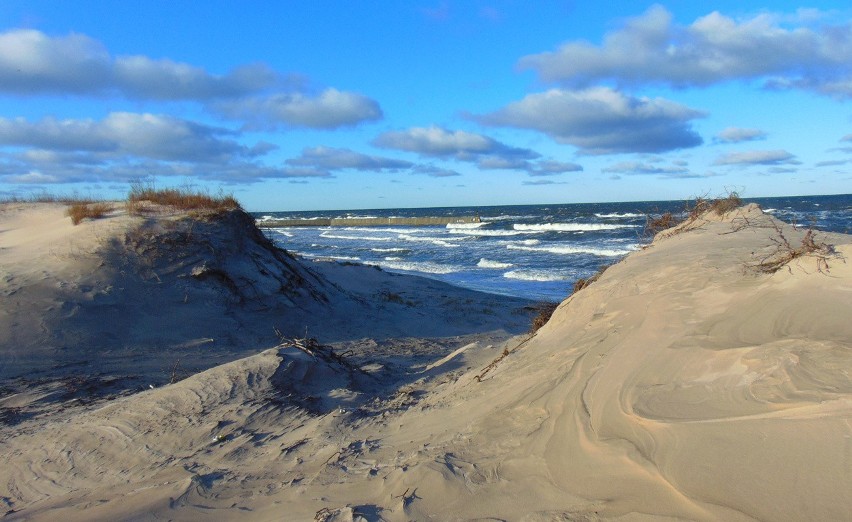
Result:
[[583, 283], [692, 213], [545, 311], [184, 198], [181, 199], [80, 211]]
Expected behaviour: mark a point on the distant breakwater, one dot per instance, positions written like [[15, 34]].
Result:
[[367, 222]]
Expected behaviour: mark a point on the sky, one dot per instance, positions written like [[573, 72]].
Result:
[[356, 105]]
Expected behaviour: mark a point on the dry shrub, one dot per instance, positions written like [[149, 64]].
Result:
[[660, 223], [545, 311], [693, 212], [724, 205], [786, 252], [584, 282], [80, 211]]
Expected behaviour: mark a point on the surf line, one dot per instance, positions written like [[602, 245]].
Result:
[[367, 222]]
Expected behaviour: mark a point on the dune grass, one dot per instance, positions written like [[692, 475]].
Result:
[[692, 212], [183, 198], [80, 211]]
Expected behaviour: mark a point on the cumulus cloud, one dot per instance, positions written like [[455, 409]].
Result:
[[331, 109], [757, 157], [33, 63], [435, 172], [154, 136], [330, 158], [639, 168], [535, 182], [124, 146], [552, 168], [442, 143], [602, 121], [486, 153], [653, 49], [737, 135]]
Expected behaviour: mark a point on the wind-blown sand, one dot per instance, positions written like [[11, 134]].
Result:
[[684, 384]]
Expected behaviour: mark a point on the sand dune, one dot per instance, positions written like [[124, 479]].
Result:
[[685, 384]]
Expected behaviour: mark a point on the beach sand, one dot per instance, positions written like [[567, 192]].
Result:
[[687, 383]]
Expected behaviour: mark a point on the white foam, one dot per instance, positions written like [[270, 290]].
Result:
[[464, 225], [355, 238], [283, 232], [567, 250], [535, 275], [388, 250], [493, 233], [434, 240], [570, 227], [487, 263], [423, 267], [617, 215]]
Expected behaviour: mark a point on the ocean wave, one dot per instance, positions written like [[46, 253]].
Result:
[[424, 267], [493, 233], [464, 225], [569, 227], [536, 275], [617, 215], [388, 250], [355, 238], [434, 240], [282, 232], [567, 250], [487, 263], [506, 217]]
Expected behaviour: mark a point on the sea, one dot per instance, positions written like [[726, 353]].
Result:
[[531, 251]]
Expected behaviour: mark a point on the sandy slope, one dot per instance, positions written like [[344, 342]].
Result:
[[684, 384]]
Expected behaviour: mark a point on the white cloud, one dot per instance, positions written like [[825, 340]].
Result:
[[602, 121], [757, 157], [331, 109], [737, 135], [435, 172], [639, 168], [331, 158], [652, 48], [33, 63], [550, 168], [438, 142], [154, 136]]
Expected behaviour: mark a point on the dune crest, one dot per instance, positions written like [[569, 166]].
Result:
[[685, 383]]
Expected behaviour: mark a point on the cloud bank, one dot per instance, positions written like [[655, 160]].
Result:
[[601, 120], [33, 63], [654, 49]]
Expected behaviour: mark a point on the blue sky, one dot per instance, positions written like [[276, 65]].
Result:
[[346, 105]]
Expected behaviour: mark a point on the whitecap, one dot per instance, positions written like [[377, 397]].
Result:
[[355, 238], [569, 227], [487, 263], [464, 225], [422, 267], [567, 250], [535, 275], [493, 233], [617, 215]]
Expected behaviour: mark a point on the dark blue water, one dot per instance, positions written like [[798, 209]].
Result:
[[532, 251]]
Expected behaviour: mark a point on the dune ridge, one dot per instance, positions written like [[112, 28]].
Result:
[[684, 384]]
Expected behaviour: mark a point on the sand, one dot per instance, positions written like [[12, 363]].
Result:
[[685, 384]]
